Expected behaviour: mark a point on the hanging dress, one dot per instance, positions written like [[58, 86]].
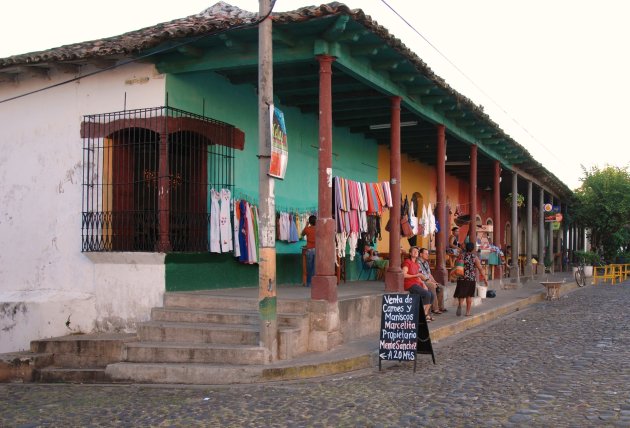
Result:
[[215, 223], [224, 220]]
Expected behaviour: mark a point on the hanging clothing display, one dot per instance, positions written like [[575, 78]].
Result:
[[215, 223], [224, 221], [288, 225], [353, 204], [235, 229]]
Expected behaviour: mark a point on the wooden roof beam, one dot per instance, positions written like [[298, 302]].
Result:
[[336, 29], [281, 36]]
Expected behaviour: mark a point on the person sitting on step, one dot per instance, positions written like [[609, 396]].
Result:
[[436, 288], [413, 284], [372, 259]]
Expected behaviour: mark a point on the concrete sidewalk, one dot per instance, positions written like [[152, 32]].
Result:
[[354, 355], [362, 353]]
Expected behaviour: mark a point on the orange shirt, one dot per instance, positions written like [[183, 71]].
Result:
[[309, 231]]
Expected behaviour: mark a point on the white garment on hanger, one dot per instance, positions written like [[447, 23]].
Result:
[[352, 242], [215, 224], [413, 220], [425, 221], [340, 241], [224, 221]]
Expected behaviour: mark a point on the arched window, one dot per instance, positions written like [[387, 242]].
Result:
[[147, 176]]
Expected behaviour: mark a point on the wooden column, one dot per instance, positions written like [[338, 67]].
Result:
[[440, 273], [541, 232], [559, 241], [394, 275], [496, 190], [164, 196], [514, 270], [324, 283], [529, 268], [550, 243], [472, 229]]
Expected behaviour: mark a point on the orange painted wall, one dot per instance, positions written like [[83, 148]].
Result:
[[415, 177]]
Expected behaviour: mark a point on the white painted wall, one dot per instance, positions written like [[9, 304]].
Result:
[[44, 277]]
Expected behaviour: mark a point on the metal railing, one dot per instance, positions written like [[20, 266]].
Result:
[[147, 175]]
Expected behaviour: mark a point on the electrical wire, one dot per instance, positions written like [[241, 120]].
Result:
[[159, 51], [470, 80]]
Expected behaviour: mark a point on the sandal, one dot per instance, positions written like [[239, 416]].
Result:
[[438, 312], [429, 318], [443, 310]]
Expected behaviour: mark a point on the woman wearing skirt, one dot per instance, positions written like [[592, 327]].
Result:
[[467, 285]]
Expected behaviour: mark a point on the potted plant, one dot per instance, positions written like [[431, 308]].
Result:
[[590, 259], [520, 199]]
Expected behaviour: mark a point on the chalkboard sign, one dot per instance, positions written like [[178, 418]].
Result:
[[400, 333]]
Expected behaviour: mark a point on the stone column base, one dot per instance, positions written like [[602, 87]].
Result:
[[323, 325], [324, 287], [394, 282]]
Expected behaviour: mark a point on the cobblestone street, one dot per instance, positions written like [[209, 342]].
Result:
[[559, 363]]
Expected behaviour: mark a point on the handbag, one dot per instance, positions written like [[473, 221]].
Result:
[[405, 228]]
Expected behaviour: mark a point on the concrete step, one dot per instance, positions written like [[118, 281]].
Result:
[[166, 331], [20, 366], [200, 300], [220, 316], [192, 373], [68, 375], [88, 350], [176, 352]]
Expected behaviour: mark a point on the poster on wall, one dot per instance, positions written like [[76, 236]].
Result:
[[279, 147]]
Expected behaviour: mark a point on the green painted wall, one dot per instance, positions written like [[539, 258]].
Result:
[[353, 157]]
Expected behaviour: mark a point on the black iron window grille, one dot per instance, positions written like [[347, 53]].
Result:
[[147, 175]]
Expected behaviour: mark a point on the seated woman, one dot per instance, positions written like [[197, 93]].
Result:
[[413, 284], [372, 259]]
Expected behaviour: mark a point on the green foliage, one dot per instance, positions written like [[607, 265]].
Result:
[[589, 258], [603, 205], [520, 199]]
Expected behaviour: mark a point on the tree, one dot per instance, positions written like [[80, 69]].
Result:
[[603, 205]]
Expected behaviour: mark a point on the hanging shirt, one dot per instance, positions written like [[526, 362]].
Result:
[[215, 222], [224, 220]]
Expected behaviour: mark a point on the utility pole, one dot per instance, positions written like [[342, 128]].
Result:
[[267, 208]]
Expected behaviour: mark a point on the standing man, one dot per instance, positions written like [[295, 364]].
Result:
[[437, 289], [309, 232], [453, 249]]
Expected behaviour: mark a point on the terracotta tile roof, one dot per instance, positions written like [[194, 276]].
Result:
[[223, 16]]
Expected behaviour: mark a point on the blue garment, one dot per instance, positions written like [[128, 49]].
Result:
[[242, 232], [293, 233]]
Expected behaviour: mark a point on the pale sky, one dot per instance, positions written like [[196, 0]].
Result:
[[555, 75]]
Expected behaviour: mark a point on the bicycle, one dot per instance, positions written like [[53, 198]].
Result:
[[580, 278]]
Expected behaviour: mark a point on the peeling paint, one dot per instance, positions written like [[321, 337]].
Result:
[[69, 178], [8, 313], [10, 310]]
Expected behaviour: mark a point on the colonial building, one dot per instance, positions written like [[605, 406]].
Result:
[[115, 152]]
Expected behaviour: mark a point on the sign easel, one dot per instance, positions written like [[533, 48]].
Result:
[[404, 329]]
